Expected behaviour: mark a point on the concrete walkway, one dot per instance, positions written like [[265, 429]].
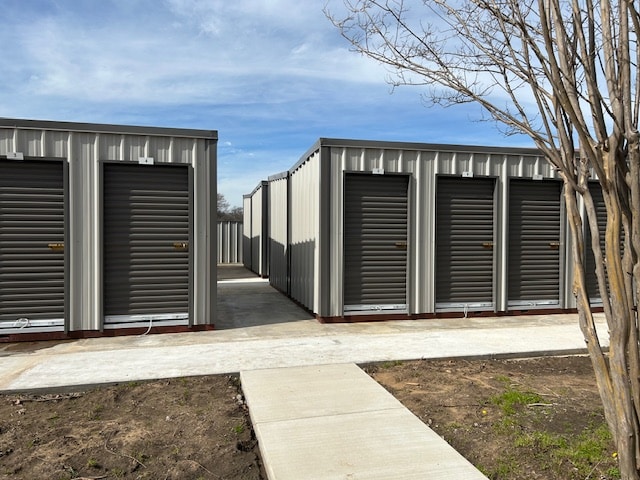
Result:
[[335, 422], [315, 413], [304, 342]]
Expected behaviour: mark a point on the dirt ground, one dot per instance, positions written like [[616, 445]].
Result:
[[187, 428], [514, 419]]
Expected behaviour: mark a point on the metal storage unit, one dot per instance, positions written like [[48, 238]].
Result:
[[129, 222], [229, 242], [454, 215], [256, 234]]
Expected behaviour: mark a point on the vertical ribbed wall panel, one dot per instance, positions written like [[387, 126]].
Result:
[[229, 242], [305, 226], [278, 233]]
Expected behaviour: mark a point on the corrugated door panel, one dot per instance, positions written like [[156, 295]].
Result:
[[146, 235], [534, 242], [31, 241], [464, 242], [590, 264], [375, 242]]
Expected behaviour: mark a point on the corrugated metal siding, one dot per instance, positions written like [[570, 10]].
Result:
[[464, 243], [84, 147], [424, 164], [315, 267], [375, 242], [229, 242], [305, 227], [256, 234], [258, 222], [32, 241], [247, 225], [278, 233], [534, 242]]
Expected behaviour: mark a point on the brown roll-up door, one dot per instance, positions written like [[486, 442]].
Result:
[[375, 242], [534, 242], [146, 242], [464, 242], [32, 243]]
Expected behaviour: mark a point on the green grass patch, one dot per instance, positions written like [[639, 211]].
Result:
[[512, 398]]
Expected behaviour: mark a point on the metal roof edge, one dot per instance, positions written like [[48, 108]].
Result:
[[396, 145], [107, 128], [278, 176], [314, 148], [341, 142], [261, 183]]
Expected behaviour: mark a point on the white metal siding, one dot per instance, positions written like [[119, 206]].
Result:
[[247, 227], [278, 233], [229, 242], [305, 226]]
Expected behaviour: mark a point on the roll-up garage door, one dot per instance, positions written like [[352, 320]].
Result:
[[32, 235], [146, 243], [590, 264], [534, 243], [464, 243], [375, 242]]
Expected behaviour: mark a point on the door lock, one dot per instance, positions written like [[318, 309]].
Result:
[[182, 246]]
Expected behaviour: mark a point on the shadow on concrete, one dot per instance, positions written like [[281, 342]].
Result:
[[246, 300]]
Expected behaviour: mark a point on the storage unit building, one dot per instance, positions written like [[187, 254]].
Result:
[[255, 242], [369, 229], [105, 228]]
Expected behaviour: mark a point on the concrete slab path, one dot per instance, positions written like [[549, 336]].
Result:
[[305, 342], [315, 413], [335, 422]]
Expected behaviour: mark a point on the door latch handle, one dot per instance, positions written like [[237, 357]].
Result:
[[554, 245], [56, 246], [182, 246], [487, 244]]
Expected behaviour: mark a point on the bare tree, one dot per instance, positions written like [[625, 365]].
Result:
[[564, 72], [226, 212]]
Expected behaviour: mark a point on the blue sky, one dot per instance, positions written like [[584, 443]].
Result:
[[272, 76]]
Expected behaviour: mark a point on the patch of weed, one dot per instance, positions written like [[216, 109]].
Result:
[[238, 429], [390, 364], [511, 398]]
